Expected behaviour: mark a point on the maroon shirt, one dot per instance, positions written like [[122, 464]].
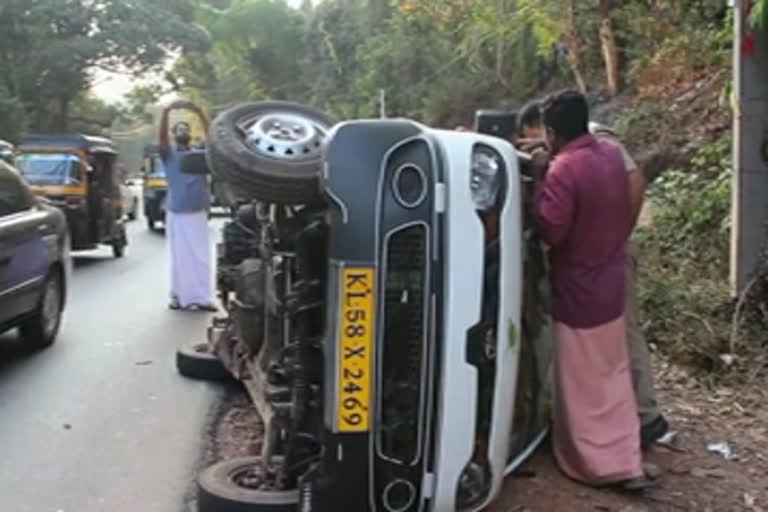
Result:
[[583, 213]]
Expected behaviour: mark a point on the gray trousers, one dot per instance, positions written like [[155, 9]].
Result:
[[640, 356]]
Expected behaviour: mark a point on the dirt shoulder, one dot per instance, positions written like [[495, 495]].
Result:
[[693, 479]]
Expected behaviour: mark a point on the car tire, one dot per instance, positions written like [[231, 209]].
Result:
[[134, 210], [218, 490], [118, 246], [40, 330], [260, 174], [197, 362]]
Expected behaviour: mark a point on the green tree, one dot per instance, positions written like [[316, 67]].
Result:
[[53, 45]]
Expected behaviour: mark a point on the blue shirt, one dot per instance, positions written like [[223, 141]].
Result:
[[186, 192]]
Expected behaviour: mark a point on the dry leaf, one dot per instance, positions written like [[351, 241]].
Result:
[[708, 473]]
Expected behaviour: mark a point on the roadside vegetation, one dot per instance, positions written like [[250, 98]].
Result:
[[657, 70]]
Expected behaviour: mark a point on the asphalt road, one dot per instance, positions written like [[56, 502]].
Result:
[[101, 422]]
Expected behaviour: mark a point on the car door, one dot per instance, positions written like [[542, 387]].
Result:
[[23, 254]]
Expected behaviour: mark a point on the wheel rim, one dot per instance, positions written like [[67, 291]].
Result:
[[51, 307], [283, 136], [250, 477]]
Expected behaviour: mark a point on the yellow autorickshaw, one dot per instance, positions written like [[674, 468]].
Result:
[[78, 173], [6, 152], [155, 188]]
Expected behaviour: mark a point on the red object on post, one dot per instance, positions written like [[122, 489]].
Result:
[[748, 45]]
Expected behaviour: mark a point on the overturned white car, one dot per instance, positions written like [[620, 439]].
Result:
[[372, 275]]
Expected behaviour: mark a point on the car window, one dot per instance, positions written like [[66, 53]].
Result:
[[14, 195]]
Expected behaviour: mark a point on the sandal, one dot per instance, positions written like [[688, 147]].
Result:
[[635, 485], [202, 307]]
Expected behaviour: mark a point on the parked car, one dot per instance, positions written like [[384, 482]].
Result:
[[361, 276], [130, 197], [35, 262]]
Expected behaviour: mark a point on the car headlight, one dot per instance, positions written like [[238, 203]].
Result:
[[485, 177]]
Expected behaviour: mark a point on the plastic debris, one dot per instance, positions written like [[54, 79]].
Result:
[[721, 448]]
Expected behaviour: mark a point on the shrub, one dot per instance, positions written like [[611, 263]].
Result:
[[684, 257]]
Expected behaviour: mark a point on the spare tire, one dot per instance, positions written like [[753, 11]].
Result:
[[199, 363], [228, 486], [270, 151]]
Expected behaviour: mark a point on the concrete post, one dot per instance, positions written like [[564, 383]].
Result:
[[750, 147]]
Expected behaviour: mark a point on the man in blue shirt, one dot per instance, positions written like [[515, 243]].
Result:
[[186, 221]]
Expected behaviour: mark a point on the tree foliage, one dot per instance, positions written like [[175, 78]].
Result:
[[437, 60], [51, 47], [434, 60]]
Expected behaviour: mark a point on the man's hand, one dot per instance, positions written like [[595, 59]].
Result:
[[539, 163], [530, 145], [182, 105]]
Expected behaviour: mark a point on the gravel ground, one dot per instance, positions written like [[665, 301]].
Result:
[[692, 478]]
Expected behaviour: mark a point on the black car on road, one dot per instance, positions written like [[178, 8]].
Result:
[[35, 262]]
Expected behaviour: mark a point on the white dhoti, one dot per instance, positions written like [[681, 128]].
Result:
[[189, 247]]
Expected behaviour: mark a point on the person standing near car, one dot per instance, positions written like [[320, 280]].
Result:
[[653, 424], [186, 221], [596, 431]]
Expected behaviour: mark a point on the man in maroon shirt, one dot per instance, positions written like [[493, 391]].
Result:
[[653, 424], [583, 212]]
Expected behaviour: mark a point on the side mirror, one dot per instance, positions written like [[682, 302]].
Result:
[[498, 123], [194, 162]]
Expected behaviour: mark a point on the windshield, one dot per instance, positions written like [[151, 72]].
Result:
[[49, 168]]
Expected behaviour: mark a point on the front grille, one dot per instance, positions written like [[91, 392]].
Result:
[[403, 346]]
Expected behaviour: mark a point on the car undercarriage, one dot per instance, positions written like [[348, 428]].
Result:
[[363, 313]]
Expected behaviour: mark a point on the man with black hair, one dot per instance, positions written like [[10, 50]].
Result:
[[582, 208], [186, 215], [653, 424]]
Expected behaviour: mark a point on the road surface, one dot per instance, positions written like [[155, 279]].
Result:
[[101, 422]]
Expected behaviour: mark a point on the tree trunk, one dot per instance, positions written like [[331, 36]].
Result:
[[63, 122], [500, 45], [39, 115], [571, 40], [580, 82], [609, 47]]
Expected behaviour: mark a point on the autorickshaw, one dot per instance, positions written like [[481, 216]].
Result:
[[78, 174], [155, 188]]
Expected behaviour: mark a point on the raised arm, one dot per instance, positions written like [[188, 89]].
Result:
[[554, 206], [203, 120], [164, 137]]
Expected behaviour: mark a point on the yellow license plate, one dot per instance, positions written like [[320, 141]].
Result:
[[355, 349], [157, 183]]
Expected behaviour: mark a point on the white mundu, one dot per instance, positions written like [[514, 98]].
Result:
[[190, 250]]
